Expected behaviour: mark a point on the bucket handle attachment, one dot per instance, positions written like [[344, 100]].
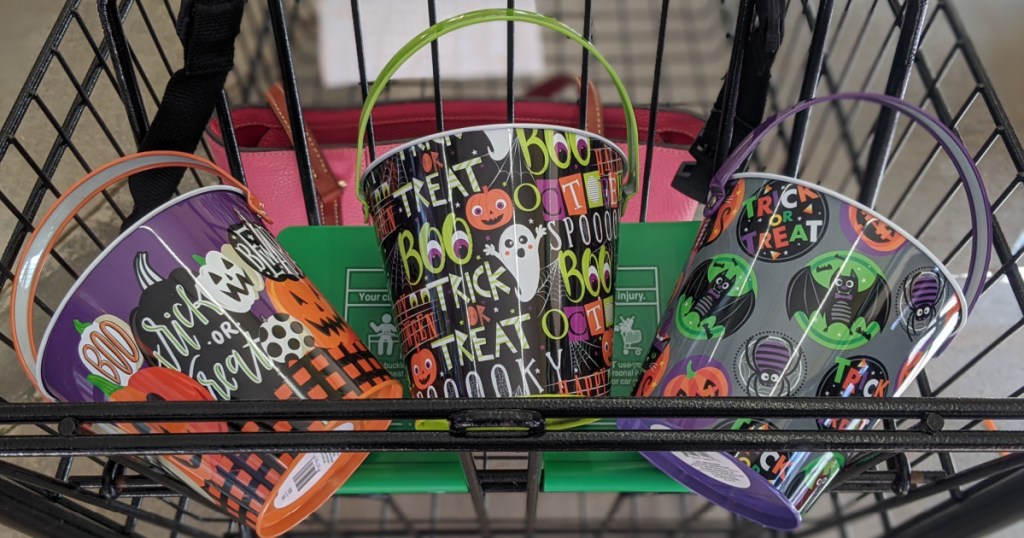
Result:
[[471, 18], [977, 199], [53, 223]]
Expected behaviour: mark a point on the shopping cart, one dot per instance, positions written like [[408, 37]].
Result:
[[937, 465]]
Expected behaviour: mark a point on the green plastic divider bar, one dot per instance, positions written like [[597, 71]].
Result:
[[345, 264]]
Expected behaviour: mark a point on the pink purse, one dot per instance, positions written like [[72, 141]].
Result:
[[272, 174]]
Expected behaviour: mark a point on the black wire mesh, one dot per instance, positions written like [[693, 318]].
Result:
[[69, 118]]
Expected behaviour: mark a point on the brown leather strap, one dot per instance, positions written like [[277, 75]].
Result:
[[327, 186], [595, 110]]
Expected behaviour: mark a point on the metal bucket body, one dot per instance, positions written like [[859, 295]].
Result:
[[499, 243], [199, 302], [793, 290]]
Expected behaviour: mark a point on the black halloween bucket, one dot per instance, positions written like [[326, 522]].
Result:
[[499, 243]]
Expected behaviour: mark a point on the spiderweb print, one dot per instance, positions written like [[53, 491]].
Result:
[[395, 266], [506, 167], [581, 361], [580, 355], [550, 284]]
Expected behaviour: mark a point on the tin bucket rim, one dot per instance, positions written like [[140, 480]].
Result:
[[888, 222], [481, 128], [41, 354], [766, 506]]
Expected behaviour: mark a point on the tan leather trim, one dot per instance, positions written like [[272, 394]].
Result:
[[323, 178]]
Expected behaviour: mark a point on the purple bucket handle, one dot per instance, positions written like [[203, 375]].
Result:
[[39, 244], [981, 211]]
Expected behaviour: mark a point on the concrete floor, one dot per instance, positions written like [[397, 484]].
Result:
[[994, 28]]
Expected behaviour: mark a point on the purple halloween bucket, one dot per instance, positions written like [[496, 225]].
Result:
[[197, 301]]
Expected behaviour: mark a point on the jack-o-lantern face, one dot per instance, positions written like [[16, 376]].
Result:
[[708, 381], [423, 369], [229, 281], [607, 347], [300, 299], [652, 376], [489, 209]]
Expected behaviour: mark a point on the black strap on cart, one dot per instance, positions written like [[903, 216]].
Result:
[[741, 101], [207, 29]]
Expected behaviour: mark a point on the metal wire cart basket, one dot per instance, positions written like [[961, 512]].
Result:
[[948, 459]]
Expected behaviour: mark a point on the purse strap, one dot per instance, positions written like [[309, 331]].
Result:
[[594, 119], [327, 185], [207, 29]]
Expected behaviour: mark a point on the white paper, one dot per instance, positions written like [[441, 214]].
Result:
[[474, 52]]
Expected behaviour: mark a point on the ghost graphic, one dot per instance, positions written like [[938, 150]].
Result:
[[500, 143], [519, 251]]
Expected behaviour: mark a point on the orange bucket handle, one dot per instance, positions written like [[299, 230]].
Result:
[[50, 227]]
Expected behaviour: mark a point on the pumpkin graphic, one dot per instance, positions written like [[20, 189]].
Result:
[[108, 349], [157, 384], [489, 209], [653, 373], [302, 300], [229, 281], [707, 381], [872, 233], [423, 369]]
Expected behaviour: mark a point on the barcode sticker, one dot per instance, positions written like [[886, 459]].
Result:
[[306, 473]]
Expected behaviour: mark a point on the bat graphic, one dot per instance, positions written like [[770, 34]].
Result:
[[842, 302], [713, 299]]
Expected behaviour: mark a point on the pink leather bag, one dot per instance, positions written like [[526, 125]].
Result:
[[272, 174]]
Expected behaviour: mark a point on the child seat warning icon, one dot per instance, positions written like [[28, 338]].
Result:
[[368, 307], [383, 335]]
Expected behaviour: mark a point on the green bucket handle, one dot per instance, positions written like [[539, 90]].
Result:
[[471, 18]]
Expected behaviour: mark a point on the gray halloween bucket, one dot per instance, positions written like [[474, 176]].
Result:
[[796, 290]]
